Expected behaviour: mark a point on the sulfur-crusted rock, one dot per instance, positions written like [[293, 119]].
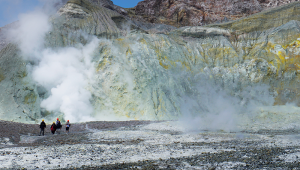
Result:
[[265, 20], [154, 71], [19, 99]]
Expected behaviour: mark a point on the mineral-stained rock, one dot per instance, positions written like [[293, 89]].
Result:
[[103, 3], [149, 71], [79, 15], [19, 100], [265, 20], [199, 12]]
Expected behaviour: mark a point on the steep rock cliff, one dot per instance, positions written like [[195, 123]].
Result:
[[139, 74], [199, 12]]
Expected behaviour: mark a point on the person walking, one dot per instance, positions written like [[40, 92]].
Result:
[[68, 126], [53, 128], [42, 126], [58, 125], [57, 120]]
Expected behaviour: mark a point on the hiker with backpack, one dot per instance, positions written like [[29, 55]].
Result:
[[53, 128]]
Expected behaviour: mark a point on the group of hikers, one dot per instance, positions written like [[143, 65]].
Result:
[[56, 126]]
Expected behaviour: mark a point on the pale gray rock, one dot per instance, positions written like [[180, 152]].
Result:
[[19, 100], [155, 72], [198, 31]]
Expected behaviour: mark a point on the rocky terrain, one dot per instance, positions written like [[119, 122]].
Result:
[[134, 70], [180, 13], [145, 145], [232, 87]]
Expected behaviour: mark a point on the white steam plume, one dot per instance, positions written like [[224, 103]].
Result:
[[208, 106], [30, 32], [31, 28], [64, 72]]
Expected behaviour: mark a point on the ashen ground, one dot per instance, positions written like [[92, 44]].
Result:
[[114, 141], [78, 131]]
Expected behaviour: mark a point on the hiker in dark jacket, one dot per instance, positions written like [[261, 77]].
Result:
[[53, 128], [42, 126], [58, 126]]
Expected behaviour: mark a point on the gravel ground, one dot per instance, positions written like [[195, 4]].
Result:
[[145, 145], [14, 131]]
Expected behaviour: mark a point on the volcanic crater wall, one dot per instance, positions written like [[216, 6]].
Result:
[[199, 12], [138, 74]]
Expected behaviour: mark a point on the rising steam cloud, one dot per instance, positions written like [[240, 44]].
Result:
[[208, 106], [67, 74], [64, 72]]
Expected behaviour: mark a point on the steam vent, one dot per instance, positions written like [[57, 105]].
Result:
[[167, 84], [92, 60]]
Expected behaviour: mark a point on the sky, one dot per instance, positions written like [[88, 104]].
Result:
[[11, 9]]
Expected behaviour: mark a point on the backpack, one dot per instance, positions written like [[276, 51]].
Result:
[[59, 125], [52, 128]]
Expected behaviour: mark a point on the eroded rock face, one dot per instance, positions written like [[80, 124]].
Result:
[[19, 98], [72, 10], [139, 74], [104, 3], [264, 20], [199, 12]]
